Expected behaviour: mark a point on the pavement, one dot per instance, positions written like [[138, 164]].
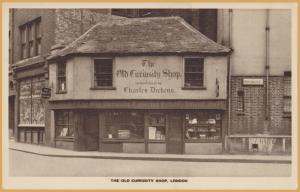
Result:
[[230, 158]]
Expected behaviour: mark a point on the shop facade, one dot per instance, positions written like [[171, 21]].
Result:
[[155, 101], [145, 110]]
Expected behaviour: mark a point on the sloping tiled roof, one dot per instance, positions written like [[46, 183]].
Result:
[[143, 35]]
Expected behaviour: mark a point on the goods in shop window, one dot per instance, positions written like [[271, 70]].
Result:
[[152, 132], [64, 132], [123, 134]]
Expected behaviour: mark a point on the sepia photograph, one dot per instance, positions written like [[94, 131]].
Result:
[[150, 97]]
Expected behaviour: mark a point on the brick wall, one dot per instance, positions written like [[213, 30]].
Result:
[[251, 120], [71, 23]]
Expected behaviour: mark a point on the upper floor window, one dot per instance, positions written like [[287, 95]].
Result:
[[103, 76], [240, 101], [61, 77], [9, 48], [31, 39], [193, 72], [287, 93]]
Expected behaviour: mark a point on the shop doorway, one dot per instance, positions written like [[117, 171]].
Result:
[[174, 139], [90, 136]]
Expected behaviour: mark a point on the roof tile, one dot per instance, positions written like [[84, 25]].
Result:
[[142, 35]]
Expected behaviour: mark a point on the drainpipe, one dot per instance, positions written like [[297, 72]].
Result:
[[267, 71], [229, 71], [228, 80]]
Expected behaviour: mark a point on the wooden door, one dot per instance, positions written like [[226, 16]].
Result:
[[91, 133], [174, 139]]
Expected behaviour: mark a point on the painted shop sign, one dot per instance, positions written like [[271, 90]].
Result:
[[148, 77], [46, 93], [252, 81]]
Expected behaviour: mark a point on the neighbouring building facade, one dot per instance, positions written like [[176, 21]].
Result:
[[33, 34], [142, 85], [260, 79]]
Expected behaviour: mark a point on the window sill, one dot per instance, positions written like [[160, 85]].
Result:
[[32, 125], [61, 92], [287, 114], [67, 138], [106, 140], [193, 88], [204, 141], [240, 113], [156, 141], [102, 88]]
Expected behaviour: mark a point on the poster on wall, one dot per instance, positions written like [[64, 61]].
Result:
[[38, 108], [31, 105], [25, 102]]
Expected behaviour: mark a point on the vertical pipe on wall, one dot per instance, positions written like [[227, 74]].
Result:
[[229, 70], [228, 79], [267, 71]]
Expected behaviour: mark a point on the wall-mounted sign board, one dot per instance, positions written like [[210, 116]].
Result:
[[46, 93], [253, 81]]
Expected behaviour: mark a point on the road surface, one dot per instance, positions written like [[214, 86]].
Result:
[[27, 164]]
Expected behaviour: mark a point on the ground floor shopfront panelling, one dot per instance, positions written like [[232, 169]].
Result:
[[174, 131]]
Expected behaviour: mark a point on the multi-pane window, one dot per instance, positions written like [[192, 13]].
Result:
[[31, 39], [124, 125], [287, 92], [103, 72], [240, 101], [201, 125], [61, 77], [193, 72], [157, 126], [64, 123], [9, 48]]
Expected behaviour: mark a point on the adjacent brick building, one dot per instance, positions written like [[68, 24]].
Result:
[[34, 33], [260, 79]]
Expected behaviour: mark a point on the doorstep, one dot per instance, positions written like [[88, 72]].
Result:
[[55, 152]]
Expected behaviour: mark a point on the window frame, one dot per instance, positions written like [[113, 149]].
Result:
[[29, 39], [69, 125], [208, 126], [94, 86], [58, 90], [287, 94], [185, 87], [240, 101], [105, 131]]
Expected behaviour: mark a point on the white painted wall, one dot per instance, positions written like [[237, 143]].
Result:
[[80, 79], [249, 40]]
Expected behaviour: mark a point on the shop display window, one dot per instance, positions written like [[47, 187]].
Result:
[[63, 123], [124, 125], [156, 127], [203, 126]]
